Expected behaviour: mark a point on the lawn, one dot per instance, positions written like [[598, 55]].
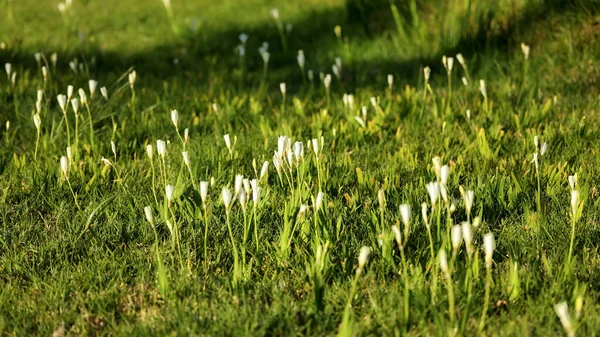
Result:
[[273, 167]]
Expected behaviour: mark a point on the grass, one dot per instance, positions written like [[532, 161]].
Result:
[[80, 253]]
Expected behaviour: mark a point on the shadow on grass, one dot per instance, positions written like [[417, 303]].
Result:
[[199, 58]]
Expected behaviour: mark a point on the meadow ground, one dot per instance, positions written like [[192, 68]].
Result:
[[420, 168]]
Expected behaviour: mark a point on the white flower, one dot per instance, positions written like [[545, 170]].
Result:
[[363, 256], [203, 190], [75, 105], [461, 60], [264, 54], [444, 174], [319, 201], [316, 148], [186, 135], [489, 245], [525, 49], [40, 95], [467, 234], [327, 81], [227, 142], [62, 101], [186, 159], [574, 201], [338, 31], [149, 151], [573, 181], [298, 151], [444, 261], [469, 198], [238, 183], [562, 310], [301, 59], [64, 165], [226, 195], [242, 199], [161, 148], [246, 184], [113, 147], [464, 81], [374, 102], [256, 194], [433, 188], [8, 68], [149, 215], [390, 80], [82, 97], [92, 84], [544, 148], [360, 121], [424, 214], [450, 62], [69, 92], [243, 38], [335, 70], [45, 73], [264, 169], [37, 121], [175, 118], [482, 88], [397, 235], [132, 77], [104, 93], [274, 13], [426, 73], [282, 87], [405, 214], [456, 236], [169, 193]]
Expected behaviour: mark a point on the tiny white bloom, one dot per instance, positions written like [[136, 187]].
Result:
[[186, 159], [562, 310], [426, 73], [161, 148], [149, 151], [226, 195], [149, 215], [456, 236], [64, 165], [37, 121], [92, 84], [489, 245], [203, 190], [363, 256], [104, 93], [433, 188], [319, 201], [444, 261], [175, 118], [169, 192], [62, 101]]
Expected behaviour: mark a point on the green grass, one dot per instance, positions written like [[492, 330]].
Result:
[[78, 257]]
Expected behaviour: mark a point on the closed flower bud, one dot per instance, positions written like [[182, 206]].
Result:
[[149, 215], [203, 191], [175, 118], [92, 84], [169, 193]]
